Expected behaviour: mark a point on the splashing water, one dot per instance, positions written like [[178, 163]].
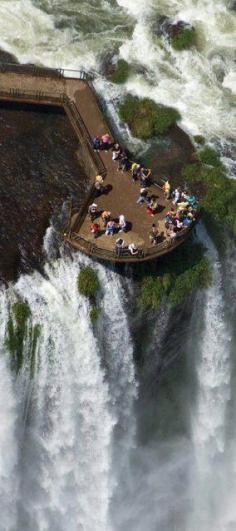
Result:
[[195, 81], [66, 457], [68, 438], [214, 392], [8, 441]]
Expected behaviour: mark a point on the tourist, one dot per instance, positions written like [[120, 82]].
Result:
[[98, 185], [99, 179], [133, 249], [95, 229], [167, 189], [153, 236], [96, 143], [179, 224], [93, 211], [122, 223], [116, 152], [145, 176], [187, 221], [110, 228], [192, 201], [170, 218], [152, 207], [143, 196], [119, 245], [191, 213], [135, 171], [123, 163], [182, 205], [177, 196], [106, 142], [172, 234], [106, 216]]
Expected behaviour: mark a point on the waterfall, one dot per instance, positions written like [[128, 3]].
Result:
[[66, 450], [213, 370], [8, 435]]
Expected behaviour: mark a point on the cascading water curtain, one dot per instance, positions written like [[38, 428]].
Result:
[[65, 401]]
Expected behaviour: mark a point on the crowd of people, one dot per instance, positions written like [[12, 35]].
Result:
[[180, 216]]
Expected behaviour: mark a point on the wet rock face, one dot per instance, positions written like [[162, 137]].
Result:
[[160, 25], [39, 170], [6, 57]]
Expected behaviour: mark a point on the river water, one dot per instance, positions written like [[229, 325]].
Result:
[[128, 426]]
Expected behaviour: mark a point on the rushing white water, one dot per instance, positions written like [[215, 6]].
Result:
[[8, 441], [74, 36], [66, 456], [213, 394], [70, 450]]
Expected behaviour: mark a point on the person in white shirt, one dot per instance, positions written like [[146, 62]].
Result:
[[133, 249]]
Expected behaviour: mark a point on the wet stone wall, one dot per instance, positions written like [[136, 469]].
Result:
[[39, 171]]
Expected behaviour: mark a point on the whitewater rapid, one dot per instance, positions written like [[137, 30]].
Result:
[[200, 82]]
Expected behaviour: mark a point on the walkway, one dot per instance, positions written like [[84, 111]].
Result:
[[123, 195]]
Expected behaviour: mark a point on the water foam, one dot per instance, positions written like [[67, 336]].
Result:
[[8, 439], [65, 469], [70, 459], [209, 417]]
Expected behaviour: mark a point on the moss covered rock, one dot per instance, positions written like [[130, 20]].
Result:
[[146, 118], [181, 273], [121, 72], [87, 281], [183, 38], [199, 139], [217, 193], [94, 313], [210, 157], [21, 312], [16, 332]]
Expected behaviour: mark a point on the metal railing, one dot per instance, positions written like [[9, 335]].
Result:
[[156, 250], [61, 99], [71, 109], [85, 136], [36, 70]]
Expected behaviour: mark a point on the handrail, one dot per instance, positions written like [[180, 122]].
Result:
[[82, 131], [60, 99], [93, 248], [85, 134], [42, 70]]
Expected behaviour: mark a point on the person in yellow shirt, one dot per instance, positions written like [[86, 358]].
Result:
[[166, 189], [135, 170]]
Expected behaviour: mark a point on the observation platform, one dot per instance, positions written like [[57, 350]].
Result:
[[73, 91]]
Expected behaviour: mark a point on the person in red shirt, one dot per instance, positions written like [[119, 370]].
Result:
[[95, 229]]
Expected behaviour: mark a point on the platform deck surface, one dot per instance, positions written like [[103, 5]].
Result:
[[123, 195]]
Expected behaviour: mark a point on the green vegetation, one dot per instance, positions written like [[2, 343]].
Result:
[[88, 285], [184, 39], [94, 313], [146, 118], [199, 139], [216, 191], [178, 275], [121, 72], [21, 312], [35, 334], [16, 333], [87, 281], [18, 328], [210, 157]]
